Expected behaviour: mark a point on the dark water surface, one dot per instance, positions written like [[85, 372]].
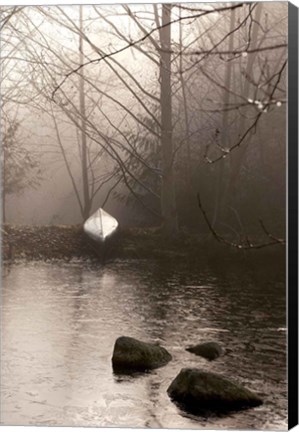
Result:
[[60, 321]]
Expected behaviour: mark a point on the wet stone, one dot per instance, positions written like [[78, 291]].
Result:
[[133, 355], [208, 350], [197, 390]]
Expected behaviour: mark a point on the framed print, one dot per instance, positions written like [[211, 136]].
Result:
[[149, 197]]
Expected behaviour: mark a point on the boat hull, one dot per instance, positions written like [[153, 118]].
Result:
[[100, 226]]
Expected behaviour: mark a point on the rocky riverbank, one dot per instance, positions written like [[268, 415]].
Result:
[[44, 242], [69, 241]]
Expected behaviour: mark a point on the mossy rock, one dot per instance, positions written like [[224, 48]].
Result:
[[130, 354], [197, 390], [208, 350]]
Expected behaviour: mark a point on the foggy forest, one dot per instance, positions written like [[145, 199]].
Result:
[[166, 125], [120, 109]]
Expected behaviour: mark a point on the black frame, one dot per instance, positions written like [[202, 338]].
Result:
[[293, 216]]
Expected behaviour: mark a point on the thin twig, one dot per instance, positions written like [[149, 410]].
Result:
[[245, 245]]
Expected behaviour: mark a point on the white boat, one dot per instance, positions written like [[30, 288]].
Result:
[[100, 225]]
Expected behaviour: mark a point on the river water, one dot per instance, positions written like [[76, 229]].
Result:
[[60, 321]]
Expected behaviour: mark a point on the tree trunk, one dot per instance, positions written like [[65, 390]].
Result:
[[86, 197], [222, 164], [168, 204], [188, 168], [3, 189]]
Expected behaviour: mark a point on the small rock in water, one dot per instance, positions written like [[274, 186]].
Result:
[[208, 350], [197, 390], [133, 355]]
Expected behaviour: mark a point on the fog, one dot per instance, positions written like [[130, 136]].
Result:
[[140, 109], [143, 154]]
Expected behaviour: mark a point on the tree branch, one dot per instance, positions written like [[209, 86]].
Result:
[[143, 38], [247, 244]]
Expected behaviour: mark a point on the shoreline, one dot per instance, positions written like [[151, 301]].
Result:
[[66, 242]]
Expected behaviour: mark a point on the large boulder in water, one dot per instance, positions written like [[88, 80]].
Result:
[[197, 390], [133, 355], [208, 350]]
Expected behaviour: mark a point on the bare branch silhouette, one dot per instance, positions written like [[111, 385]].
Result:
[[246, 244]]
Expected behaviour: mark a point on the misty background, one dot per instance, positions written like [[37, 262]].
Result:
[[172, 118], [139, 108]]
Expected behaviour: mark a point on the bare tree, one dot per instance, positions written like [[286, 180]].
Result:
[[195, 85]]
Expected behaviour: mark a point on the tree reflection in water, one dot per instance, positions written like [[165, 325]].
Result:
[[60, 322]]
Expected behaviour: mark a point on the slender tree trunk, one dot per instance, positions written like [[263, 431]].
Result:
[[168, 204], [224, 136], [86, 197], [185, 104], [3, 208], [3, 188]]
